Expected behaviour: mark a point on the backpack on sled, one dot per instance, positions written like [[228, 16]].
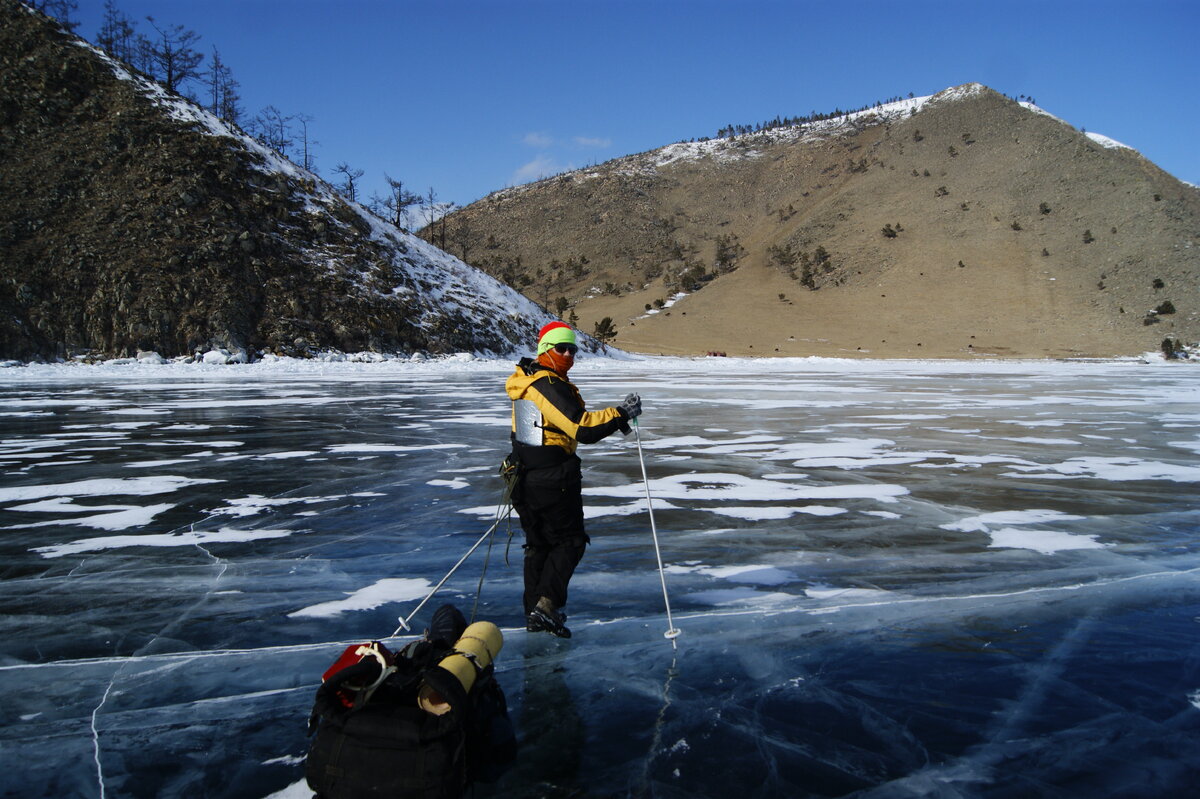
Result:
[[372, 739]]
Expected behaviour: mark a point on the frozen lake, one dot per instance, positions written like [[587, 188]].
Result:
[[892, 579]]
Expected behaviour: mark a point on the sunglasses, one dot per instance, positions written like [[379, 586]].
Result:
[[566, 349]]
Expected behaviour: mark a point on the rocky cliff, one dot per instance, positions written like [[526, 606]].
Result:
[[132, 220]]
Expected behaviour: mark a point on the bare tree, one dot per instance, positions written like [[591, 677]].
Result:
[[117, 34], [446, 211], [172, 59], [223, 90], [395, 204], [273, 129], [349, 184], [309, 159], [59, 9], [462, 236], [429, 203]]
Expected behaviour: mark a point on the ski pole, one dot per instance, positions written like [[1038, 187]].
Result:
[[404, 621], [672, 631]]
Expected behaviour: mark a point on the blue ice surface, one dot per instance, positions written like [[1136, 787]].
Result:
[[892, 580]]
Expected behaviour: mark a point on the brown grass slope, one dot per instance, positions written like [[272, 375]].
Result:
[[1015, 235], [124, 227]]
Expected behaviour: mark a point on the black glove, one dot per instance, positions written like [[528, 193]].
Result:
[[632, 406]]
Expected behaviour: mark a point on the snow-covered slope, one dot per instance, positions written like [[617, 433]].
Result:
[[160, 227]]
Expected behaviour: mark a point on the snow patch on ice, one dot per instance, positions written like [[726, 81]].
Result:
[[753, 574], [832, 592], [983, 522], [286, 760], [1112, 469], [383, 448], [630, 509], [383, 592], [114, 517], [1194, 446], [297, 790], [1048, 442], [739, 596], [775, 513], [1046, 542], [103, 486], [724, 485], [456, 483], [255, 503], [225, 535]]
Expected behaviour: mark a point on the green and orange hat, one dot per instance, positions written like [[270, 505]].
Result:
[[554, 333]]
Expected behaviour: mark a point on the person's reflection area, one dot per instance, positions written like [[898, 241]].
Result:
[[549, 728]]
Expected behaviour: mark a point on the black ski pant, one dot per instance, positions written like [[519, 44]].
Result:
[[549, 502]]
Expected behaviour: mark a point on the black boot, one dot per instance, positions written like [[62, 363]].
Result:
[[545, 618]]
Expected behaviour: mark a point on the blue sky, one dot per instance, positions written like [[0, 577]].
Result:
[[470, 96]]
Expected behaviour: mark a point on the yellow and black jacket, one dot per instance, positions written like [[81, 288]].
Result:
[[549, 430]]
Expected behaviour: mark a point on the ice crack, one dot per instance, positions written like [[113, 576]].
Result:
[[96, 734]]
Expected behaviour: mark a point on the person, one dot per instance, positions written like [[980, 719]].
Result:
[[549, 421]]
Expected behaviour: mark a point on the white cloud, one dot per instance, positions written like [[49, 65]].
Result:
[[540, 167], [589, 141], [539, 140]]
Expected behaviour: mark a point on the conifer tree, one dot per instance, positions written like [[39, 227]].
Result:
[[604, 331]]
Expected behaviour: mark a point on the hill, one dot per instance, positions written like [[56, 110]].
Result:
[[132, 220], [956, 225]]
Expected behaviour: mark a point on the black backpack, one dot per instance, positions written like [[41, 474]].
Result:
[[372, 740]]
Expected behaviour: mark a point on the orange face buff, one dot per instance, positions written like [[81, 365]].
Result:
[[560, 357], [556, 347]]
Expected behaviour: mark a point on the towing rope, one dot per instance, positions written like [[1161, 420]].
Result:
[[503, 511], [508, 471]]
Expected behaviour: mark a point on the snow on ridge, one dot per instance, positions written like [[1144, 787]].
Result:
[[1098, 138], [1106, 142], [1028, 106], [743, 146], [963, 92], [747, 145]]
